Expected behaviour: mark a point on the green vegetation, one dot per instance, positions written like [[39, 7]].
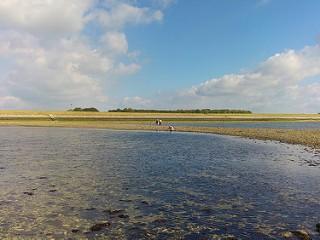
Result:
[[150, 116], [78, 109], [203, 111]]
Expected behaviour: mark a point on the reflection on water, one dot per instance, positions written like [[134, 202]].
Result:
[[282, 125], [73, 183]]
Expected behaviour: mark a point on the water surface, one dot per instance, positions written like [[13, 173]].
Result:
[[58, 183]]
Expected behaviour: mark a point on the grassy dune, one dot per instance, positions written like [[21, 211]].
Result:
[[59, 115]]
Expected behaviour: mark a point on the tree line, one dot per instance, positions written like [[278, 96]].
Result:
[[204, 111], [78, 109]]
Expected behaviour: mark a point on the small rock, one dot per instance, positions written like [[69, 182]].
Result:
[[287, 235], [90, 209], [298, 234], [99, 226], [136, 232], [160, 221], [75, 230], [230, 238], [302, 234], [125, 200], [114, 211], [52, 190], [123, 216], [28, 193], [145, 202], [312, 164], [42, 177]]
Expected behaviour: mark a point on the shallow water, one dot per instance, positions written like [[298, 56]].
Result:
[[281, 125], [58, 183]]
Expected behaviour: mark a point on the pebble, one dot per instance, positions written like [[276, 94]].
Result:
[[136, 232], [28, 193], [114, 211], [99, 226], [123, 216], [145, 202], [125, 200], [160, 221], [298, 234], [90, 209]]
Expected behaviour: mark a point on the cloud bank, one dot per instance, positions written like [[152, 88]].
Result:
[[48, 59], [286, 82]]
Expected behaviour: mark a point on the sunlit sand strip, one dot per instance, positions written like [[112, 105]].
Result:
[[165, 116]]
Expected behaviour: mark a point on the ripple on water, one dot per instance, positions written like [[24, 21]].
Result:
[[82, 183]]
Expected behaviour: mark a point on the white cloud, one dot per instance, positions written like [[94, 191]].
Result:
[[44, 16], [136, 102], [115, 42], [52, 62], [164, 3], [68, 71], [11, 102], [123, 14], [277, 84], [127, 69]]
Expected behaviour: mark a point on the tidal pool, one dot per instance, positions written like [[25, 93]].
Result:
[[281, 125], [59, 183]]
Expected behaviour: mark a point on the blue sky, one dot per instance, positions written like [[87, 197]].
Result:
[[198, 41], [261, 55]]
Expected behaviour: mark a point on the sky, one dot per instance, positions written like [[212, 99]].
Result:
[[259, 55]]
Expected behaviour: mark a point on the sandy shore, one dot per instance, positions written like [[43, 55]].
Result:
[[123, 116], [307, 137]]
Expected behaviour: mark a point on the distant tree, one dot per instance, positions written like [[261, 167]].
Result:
[[90, 109], [203, 111]]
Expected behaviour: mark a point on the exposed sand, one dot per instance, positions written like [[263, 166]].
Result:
[[42, 115]]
